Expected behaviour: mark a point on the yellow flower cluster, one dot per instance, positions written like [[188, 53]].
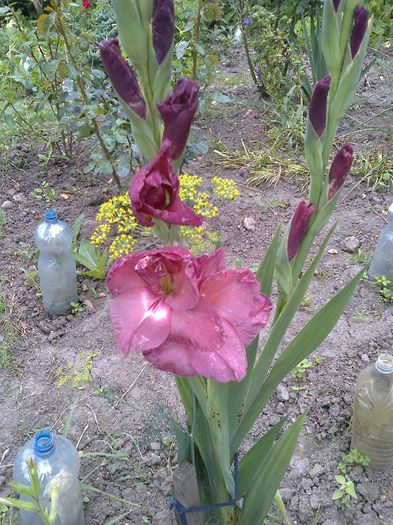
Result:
[[122, 245], [116, 214], [119, 224], [199, 239], [225, 188]]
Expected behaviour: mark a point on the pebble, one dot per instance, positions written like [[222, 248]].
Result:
[[155, 446], [18, 197], [317, 471], [249, 223], [365, 358], [350, 244], [6, 205], [282, 393]]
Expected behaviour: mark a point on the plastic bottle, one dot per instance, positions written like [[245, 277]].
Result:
[[372, 423], [382, 261], [56, 264], [57, 461]]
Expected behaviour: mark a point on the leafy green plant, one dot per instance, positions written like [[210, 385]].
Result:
[[45, 192], [385, 287], [88, 256], [345, 492], [299, 372], [359, 257], [353, 459], [376, 169], [30, 497], [65, 93], [76, 308]]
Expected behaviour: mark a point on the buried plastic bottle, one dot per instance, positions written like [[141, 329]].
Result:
[[56, 264], [57, 462], [372, 423], [382, 261]]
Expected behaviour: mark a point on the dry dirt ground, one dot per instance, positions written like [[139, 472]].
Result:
[[120, 419]]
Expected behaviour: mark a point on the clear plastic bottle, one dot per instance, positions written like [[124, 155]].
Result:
[[57, 461], [382, 261], [56, 264], [372, 423]]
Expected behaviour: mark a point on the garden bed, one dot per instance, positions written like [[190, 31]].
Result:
[[120, 418]]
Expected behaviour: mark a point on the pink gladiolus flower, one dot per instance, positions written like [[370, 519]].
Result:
[[188, 315], [86, 4], [339, 169], [299, 227], [177, 112], [318, 105], [360, 23], [154, 192]]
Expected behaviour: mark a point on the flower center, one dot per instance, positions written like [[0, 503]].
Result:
[[167, 284]]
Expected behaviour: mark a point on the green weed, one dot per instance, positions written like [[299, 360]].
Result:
[[385, 287], [8, 335], [376, 169], [359, 257], [299, 372], [345, 492], [45, 192], [2, 223]]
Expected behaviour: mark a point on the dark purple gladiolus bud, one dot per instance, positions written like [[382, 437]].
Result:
[[122, 77], [318, 103], [339, 169], [336, 4], [177, 112], [154, 192], [163, 26], [299, 227], [360, 23]]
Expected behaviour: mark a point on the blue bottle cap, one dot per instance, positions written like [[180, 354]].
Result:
[[43, 443], [50, 215]]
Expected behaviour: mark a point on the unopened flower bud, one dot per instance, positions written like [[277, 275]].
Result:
[[299, 227], [339, 169], [318, 105], [163, 26], [122, 77], [336, 4], [360, 23]]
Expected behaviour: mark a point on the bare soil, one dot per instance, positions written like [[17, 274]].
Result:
[[120, 419]]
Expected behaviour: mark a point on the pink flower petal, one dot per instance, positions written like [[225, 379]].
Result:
[[235, 295], [209, 264], [228, 363], [173, 356], [128, 310], [186, 294], [200, 327], [154, 328], [122, 276]]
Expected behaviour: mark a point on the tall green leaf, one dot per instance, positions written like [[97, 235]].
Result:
[[265, 270], [307, 340], [259, 498], [250, 463]]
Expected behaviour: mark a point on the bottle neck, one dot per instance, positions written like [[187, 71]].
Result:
[[43, 443]]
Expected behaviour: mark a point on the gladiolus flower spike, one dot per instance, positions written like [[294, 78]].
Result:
[[360, 23], [339, 169], [163, 27], [299, 227], [318, 105], [154, 192], [177, 112], [188, 315], [122, 77]]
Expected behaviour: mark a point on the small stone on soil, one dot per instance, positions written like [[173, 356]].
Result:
[[282, 393], [6, 205], [249, 223], [350, 244]]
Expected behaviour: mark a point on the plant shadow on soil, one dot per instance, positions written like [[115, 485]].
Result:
[[121, 417]]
